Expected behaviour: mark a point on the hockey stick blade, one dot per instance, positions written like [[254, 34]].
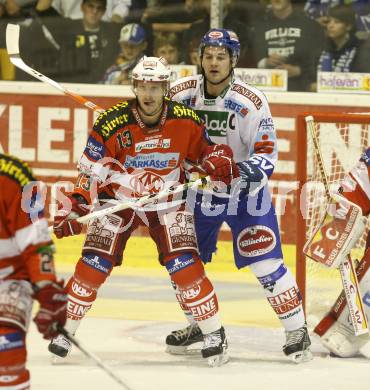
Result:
[[12, 46], [93, 357]]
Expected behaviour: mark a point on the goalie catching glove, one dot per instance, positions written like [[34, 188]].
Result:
[[65, 223], [52, 312], [219, 164]]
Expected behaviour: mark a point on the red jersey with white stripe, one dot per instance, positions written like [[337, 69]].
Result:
[[130, 159], [25, 246]]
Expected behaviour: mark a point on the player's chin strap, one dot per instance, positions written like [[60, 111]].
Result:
[[93, 357]]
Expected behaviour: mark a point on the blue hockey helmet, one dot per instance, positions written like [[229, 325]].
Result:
[[223, 38]]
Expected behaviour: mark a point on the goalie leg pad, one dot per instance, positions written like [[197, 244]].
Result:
[[197, 291], [13, 372], [335, 329], [341, 341], [337, 233], [281, 292]]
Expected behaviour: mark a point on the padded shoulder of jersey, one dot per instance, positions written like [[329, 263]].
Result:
[[15, 169], [181, 111], [113, 119]]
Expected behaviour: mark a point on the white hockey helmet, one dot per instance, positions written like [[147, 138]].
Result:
[[151, 69]]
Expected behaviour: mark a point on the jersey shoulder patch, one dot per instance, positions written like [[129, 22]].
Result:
[[16, 169], [186, 83], [181, 111], [113, 119], [248, 93]]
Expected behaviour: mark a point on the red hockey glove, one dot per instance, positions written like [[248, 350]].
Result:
[[65, 223], [219, 164], [53, 302]]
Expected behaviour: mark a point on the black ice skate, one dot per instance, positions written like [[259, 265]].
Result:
[[215, 348], [60, 346], [179, 340], [297, 345]]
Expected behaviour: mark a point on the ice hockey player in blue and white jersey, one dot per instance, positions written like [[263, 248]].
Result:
[[238, 114]]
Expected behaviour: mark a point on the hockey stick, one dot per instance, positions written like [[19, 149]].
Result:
[[346, 268], [141, 202], [93, 357], [47, 33], [12, 46]]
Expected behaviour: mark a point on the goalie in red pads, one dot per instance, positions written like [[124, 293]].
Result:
[[344, 223]]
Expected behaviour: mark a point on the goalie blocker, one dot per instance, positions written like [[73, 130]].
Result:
[[336, 233]]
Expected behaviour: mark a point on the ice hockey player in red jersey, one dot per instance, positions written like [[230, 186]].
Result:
[[26, 272], [335, 329], [137, 148]]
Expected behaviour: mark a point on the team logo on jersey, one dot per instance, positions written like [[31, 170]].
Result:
[[181, 230], [157, 143], [256, 240], [146, 183], [236, 107], [155, 161], [218, 122], [94, 149]]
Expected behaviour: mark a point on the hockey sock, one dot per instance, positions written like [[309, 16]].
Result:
[[187, 313], [13, 372], [281, 292], [197, 292], [91, 272]]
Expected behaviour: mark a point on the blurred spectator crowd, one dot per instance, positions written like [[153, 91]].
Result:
[[100, 41]]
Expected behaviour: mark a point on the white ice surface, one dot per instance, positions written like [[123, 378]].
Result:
[[135, 351]]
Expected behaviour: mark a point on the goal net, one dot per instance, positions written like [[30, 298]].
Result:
[[342, 139]]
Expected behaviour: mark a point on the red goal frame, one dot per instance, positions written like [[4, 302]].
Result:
[[302, 177]]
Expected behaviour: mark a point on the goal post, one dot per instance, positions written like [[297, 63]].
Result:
[[342, 138]]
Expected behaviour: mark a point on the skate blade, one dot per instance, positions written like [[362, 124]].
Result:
[[301, 356], [56, 360], [218, 360], [180, 350]]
